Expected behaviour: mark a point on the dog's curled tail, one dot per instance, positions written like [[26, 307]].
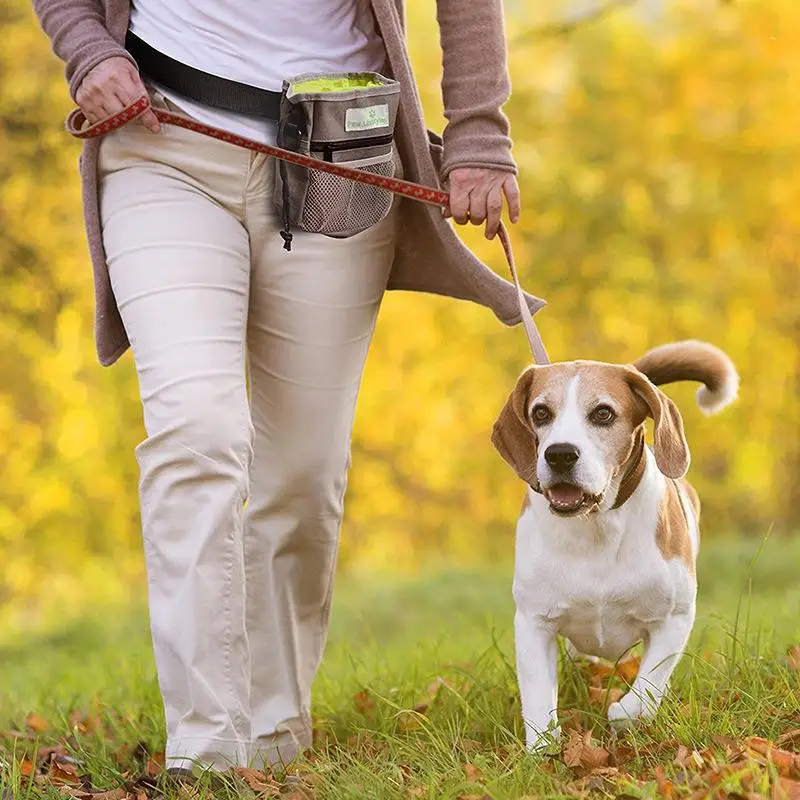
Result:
[[694, 361]]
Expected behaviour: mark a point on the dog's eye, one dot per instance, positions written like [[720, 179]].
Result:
[[603, 415], [540, 415]]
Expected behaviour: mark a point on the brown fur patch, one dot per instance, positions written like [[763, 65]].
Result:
[[672, 529], [687, 361], [694, 498]]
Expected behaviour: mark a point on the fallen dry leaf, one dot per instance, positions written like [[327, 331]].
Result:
[[79, 794], [363, 702], [431, 695], [473, 797], [298, 793], [572, 719], [717, 774], [659, 751], [787, 764], [789, 738], [473, 773], [665, 787], [621, 755], [47, 754], [786, 789], [690, 759], [599, 672], [259, 782], [114, 794], [793, 658], [600, 779], [629, 668], [37, 724], [417, 791], [155, 765], [62, 770], [85, 723], [26, 767], [579, 752], [602, 697], [12, 734], [734, 749]]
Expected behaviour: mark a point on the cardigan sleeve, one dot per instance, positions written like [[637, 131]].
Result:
[[475, 85], [78, 35]]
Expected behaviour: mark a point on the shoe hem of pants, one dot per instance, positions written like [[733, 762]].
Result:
[[281, 748], [206, 753]]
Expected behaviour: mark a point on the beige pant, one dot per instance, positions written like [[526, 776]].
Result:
[[239, 596]]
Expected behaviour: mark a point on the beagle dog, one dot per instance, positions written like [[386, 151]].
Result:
[[607, 537]]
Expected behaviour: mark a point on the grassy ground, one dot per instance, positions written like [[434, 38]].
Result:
[[443, 644]]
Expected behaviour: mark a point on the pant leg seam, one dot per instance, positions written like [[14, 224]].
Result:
[[238, 520]]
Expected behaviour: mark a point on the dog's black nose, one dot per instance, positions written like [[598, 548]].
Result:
[[562, 457]]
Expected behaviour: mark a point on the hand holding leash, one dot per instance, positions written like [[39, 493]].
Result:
[[476, 196], [111, 86]]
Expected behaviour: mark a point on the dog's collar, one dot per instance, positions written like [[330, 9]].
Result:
[[633, 475]]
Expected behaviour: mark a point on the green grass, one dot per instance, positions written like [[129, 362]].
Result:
[[392, 639]]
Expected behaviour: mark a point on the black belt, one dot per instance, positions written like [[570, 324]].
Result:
[[200, 86]]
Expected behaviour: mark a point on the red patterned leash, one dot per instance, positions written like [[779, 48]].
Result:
[[78, 126]]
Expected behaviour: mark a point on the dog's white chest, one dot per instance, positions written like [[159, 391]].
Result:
[[601, 592], [605, 613]]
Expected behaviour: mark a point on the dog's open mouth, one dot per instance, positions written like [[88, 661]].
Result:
[[567, 499]]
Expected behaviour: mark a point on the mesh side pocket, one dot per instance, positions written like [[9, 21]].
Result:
[[339, 207]]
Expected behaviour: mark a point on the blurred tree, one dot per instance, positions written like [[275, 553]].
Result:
[[661, 191]]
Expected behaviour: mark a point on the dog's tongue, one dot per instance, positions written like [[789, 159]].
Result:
[[564, 495]]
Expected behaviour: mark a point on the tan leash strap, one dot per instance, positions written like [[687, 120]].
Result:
[[78, 126]]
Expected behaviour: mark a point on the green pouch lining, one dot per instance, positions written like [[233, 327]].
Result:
[[319, 85]]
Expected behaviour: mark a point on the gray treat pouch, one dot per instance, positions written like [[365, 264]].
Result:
[[346, 119]]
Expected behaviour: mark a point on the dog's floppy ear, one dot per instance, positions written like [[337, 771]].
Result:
[[669, 440], [513, 435]]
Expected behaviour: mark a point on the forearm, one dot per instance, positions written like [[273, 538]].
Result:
[[78, 34], [475, 85]]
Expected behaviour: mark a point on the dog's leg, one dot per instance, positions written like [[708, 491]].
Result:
[[537, 673], [663, 649]]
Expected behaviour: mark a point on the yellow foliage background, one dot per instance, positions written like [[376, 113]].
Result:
[[661, 184]]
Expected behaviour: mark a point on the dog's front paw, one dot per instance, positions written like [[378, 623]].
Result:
[[630, 709]]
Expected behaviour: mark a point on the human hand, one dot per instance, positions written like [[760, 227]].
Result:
[[476, 196], [109, 87]]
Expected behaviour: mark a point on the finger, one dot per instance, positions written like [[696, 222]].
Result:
[[127, 85], [129, 89], [477, 205], [150, 121], [100, 100], [511, 191], [494, 210], [97, 108], [91, 113], [135, 88], [109, 104], [459, 205]]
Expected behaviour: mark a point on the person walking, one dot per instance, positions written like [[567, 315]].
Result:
[[241, 492]]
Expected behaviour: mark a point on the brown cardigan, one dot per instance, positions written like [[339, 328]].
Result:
[[429, 255]]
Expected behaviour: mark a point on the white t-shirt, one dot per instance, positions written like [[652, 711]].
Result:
[[259, 43]]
